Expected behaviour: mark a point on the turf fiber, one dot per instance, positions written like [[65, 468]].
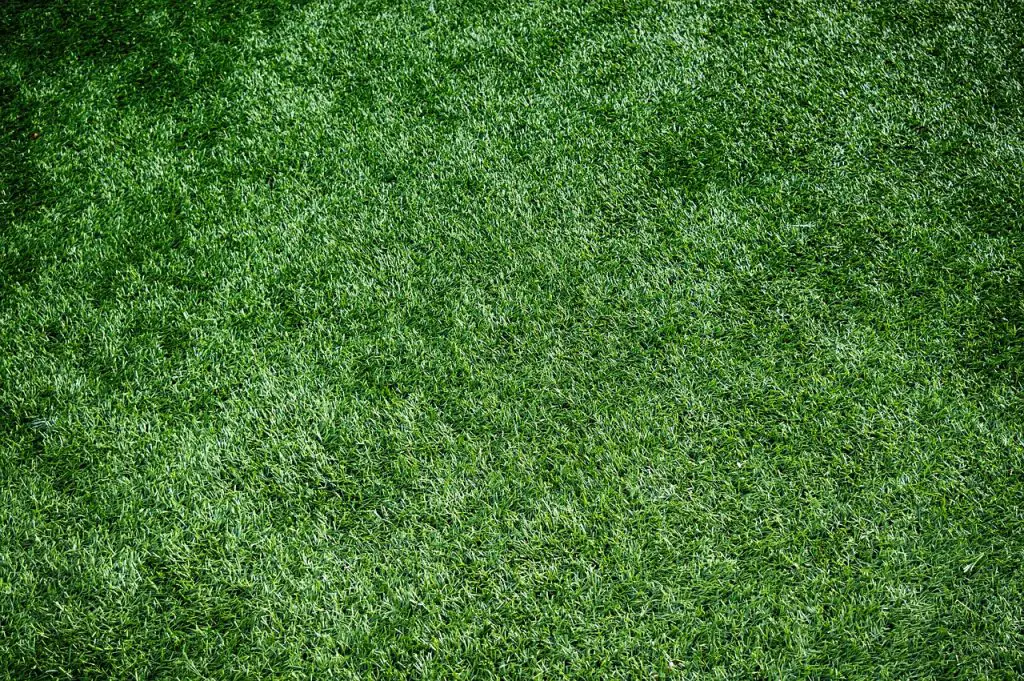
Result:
[[447, 339]]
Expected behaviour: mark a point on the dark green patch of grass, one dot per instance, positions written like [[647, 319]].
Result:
[[608, 339]]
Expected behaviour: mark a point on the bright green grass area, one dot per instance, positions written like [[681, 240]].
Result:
[[438, 339]]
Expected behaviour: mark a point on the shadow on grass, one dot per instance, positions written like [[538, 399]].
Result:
[[162, 51]]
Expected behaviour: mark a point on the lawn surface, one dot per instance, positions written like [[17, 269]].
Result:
[[438, 339]]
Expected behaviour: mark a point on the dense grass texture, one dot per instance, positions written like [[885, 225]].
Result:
[[443, 339]]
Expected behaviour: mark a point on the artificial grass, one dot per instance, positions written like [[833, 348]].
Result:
[[437, 339]]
